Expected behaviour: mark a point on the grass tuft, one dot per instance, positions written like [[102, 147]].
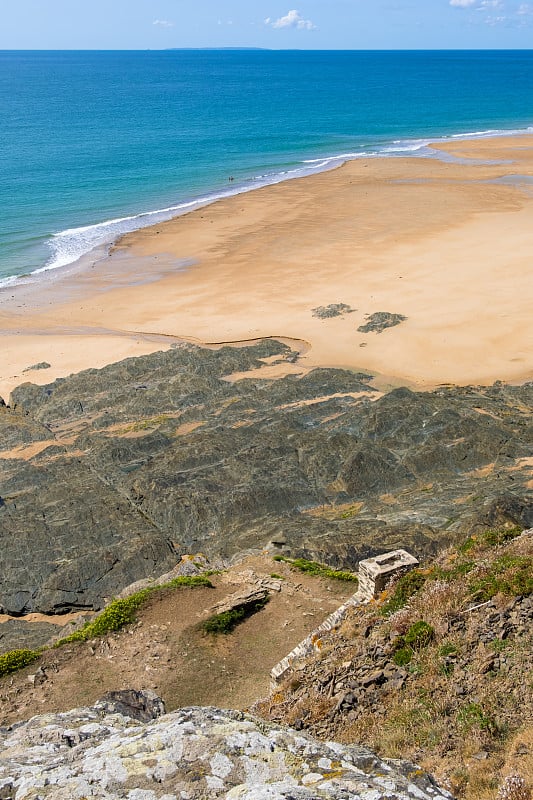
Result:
[[507, 575], [318, 570]]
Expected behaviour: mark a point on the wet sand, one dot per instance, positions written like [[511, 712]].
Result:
[[447, 244]]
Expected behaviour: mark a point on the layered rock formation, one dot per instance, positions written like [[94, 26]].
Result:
[[111, 475], [108, 751]]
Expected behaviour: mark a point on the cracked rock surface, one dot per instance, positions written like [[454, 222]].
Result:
[[192, 754], [110, 476]]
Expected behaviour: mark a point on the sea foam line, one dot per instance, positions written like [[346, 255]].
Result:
[[70, 245]]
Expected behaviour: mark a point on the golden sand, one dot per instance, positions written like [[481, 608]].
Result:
[[448, 244]]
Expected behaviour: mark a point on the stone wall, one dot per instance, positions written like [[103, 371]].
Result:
[[374, 574]]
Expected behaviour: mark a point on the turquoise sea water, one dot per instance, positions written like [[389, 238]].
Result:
[[97, 143]]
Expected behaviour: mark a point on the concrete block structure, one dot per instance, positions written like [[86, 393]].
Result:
[[375, 573]]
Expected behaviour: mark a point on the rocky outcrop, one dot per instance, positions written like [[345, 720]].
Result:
[[110, 476], [333, 310], [193, 753], [381, 320]]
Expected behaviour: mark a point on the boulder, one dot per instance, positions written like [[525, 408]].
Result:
[[197, 753]]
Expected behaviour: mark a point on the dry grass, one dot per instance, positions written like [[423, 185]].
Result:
[[465, 711]]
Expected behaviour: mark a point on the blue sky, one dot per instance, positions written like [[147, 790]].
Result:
[[305, 24]]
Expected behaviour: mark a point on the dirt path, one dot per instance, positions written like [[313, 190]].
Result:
[[165, 651]]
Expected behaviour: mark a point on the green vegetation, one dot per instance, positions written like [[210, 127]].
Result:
[[508, 575], [473, 716], [499, 645], [419, 635], [489, 538], [117, 614], [448, 649], [402, 656], [457, 570], [188, 581], [318, 570], [350, 512], [462, 689], [146, 424], [276, 576], [122, 612], [14, 660], [407, 586], [227, 621], [113, 618]]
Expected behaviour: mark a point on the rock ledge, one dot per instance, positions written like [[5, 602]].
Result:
[[190, 754]]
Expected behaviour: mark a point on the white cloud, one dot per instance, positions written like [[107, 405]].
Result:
[[292, 19], [496, 20], [462, 3], [525, 10], [163, 23]]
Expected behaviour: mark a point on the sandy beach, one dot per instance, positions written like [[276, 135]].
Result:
[[445, 243]]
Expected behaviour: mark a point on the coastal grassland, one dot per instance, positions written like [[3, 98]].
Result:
[[437, 670]]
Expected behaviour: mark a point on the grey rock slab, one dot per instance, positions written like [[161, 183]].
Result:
[[193, 753], [18, 634], [164, 455]]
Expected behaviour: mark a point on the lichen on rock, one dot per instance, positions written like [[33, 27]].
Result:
[[190, 754]]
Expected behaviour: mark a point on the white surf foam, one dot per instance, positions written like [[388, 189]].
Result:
[[70, 245]]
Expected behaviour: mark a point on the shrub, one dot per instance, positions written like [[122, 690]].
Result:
[[224, 622], [113, 618], [419, 635], [122, 612], [402, 656], [14, 660], [227, 621]]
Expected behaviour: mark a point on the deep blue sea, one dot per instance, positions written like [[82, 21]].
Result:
[[97, 143]]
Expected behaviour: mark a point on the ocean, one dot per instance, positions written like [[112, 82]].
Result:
[[94, 144]]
